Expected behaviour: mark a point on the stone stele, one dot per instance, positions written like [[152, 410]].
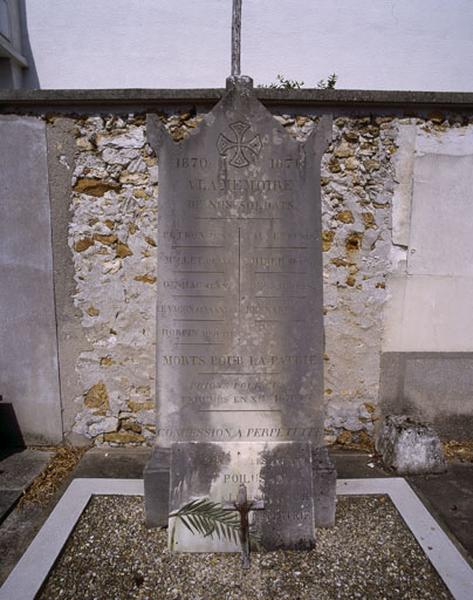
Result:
[[240, 323]]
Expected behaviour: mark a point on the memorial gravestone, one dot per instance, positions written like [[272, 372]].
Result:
[[240, 320], [240, 333]]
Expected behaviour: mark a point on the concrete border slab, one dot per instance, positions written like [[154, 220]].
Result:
[[27, 577]]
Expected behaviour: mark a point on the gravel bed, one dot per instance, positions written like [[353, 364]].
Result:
[[369, 554]]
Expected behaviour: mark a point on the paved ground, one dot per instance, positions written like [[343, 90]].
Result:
[[113, 462], [449, 496], [17, 471]]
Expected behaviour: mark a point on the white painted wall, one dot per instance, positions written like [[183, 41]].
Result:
[[370, 44]]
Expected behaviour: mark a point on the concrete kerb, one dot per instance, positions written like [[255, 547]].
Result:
[[26, 579], [29, 574]]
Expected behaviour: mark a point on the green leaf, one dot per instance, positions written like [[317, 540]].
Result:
[[208, 518], [184, 522], [196, 524]]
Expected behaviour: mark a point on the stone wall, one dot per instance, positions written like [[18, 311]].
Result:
[[112, 239], [112, 236]]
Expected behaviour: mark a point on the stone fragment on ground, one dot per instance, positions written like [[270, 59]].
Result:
[[410, 446]]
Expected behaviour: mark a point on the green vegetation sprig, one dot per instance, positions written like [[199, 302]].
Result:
[[207, 518], [282, 83]]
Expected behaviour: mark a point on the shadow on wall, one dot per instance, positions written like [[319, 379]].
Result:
[[11, 438], [30, 75]]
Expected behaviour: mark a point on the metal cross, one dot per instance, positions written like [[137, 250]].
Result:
[[244, 506], [243, 150], [236, 38]]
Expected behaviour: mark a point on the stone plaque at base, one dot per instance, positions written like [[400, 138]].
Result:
[[279, 474], [157, 479]]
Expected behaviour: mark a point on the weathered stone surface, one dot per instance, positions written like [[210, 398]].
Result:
[[240, 333], [135, 406], [435, 385], [324, 478], [156, 484], [94, 187], [325, 487], [279, 473], [124, 437], [83, 244], [29, 377], [62, 150], [93, 312], [129, 139], [354, 302], [119, 157], [286, 483], [354, 280], [97, 399], [109, 250], [106, 425], [146, 278], [402, 197], [441, 205], [410, 446], [429, 314], [123, 250]]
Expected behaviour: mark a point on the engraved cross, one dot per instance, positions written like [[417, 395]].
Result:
[[244, 507], [242, 149]]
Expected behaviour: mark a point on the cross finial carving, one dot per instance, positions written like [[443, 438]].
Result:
[[244, 507]]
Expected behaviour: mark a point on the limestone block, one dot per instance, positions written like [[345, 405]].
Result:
[[409, 446], [131, 139], [104, 426]]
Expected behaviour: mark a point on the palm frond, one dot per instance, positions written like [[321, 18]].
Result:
[[207, 518]]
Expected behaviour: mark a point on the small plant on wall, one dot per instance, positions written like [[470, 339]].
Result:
[[282, 83], [329, 83]]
